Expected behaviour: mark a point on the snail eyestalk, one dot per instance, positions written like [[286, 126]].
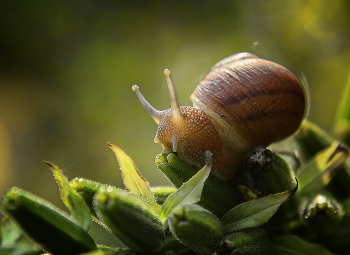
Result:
[[175, 107], [153, 112]]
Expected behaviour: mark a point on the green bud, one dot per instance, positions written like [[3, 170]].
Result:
[[162, 193], [133, 219], [217, 196], [196, 228], [87, 190], [174, 168], [278, 179], [322, 214], [280, 171], [248, 241], [46, 225]]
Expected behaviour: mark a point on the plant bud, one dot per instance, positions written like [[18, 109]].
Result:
[[46, 225], [196, 228], [133, 219], [161, 193], [217, 196], [322, 214], [250, 241]]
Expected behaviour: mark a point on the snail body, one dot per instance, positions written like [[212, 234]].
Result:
[[243, 102]]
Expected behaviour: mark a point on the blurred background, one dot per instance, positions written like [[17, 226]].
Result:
[[67, 67]]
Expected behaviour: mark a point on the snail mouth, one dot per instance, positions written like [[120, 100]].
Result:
[[165, 145]]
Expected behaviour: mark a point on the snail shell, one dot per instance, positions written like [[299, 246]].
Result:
[[243, 102]]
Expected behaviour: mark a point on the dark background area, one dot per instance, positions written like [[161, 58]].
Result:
[[67, 67]]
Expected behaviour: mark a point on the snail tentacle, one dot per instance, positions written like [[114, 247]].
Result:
[[153, 112], [176, 113]]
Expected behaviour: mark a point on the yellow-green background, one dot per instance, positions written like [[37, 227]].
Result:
[[67, 67]]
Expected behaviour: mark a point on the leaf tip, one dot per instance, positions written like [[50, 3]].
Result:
[[50, 165], [341, 148], [113, 147], [209, 165], [292, 192]]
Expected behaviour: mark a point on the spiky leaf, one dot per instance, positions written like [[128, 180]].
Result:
[[189, 193], [80, 212], [254, 213], [132, 179]]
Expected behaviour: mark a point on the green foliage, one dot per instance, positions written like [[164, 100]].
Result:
[[288, 245], [284, 211], [189, 193], [217, 196], [46, 225], [254, 213], [78, 208]]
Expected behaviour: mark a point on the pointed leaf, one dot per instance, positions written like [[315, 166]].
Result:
[[342, 126], [293, 245], [79, 210], [87, 190], [189, 193], [254, 213], [319, 171], [132, 179]]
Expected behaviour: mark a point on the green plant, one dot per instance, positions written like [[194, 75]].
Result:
[[268, 208]]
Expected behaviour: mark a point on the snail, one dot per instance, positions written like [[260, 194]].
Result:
[[243, 102]]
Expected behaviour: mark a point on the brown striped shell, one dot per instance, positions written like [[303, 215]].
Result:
[[244, 101]]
